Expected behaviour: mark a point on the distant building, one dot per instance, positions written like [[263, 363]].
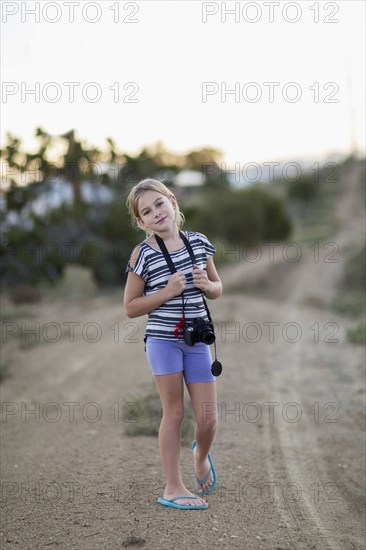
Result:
[[189, 178]]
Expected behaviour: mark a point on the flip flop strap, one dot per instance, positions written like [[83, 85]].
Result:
[[177, 498], [201, 482]]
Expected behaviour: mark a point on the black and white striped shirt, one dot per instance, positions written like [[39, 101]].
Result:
[[152, 267]]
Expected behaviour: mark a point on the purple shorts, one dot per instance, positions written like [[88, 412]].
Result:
[[171, 356]]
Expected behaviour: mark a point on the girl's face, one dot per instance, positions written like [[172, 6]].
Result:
[[156, 211]]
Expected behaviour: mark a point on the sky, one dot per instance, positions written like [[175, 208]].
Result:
[[162, 71]]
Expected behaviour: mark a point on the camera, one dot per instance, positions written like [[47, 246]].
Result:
[[198, 331]]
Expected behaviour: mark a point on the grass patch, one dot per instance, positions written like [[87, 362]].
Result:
[[357, 335], [142, 416], [350, 303], [354, 270], [315, 234], [9, 314], [351, 298], [316, 220]]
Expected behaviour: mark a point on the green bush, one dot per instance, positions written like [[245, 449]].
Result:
[[351, 298], [100, 239], [350, 303], [358, 334], [354, 271], [241, 216], [304, 189]]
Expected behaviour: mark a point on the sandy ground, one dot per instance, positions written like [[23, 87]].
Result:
[[289, 451]]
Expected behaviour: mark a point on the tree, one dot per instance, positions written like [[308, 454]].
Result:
[[77, 164]]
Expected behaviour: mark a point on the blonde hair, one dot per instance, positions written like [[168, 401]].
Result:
[[135, 194]]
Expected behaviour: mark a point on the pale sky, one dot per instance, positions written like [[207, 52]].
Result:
[[169, 53]]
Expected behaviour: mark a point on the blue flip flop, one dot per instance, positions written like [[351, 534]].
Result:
[[203, 481], [172, 504]]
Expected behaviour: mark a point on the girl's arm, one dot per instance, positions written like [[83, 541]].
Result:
[[136, 304]]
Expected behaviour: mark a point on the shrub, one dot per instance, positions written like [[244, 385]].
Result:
[[351, 298], [354, 271], [304, 189], [24, 294], [242, 216], [357, 335], [77, 283]]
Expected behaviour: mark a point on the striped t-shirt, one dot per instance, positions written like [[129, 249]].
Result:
[[152, 267]]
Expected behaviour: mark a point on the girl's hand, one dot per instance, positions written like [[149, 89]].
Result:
[[177, 283], [200, 279]]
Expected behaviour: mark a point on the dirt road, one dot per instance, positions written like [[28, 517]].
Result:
[[289, 451]]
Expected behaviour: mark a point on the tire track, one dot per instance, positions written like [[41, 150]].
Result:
[[317, 519], [312, 514]]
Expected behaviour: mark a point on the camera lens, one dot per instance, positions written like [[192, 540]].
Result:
[[207, 337]]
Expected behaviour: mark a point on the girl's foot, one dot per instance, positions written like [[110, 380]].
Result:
[[201, 467], [181, 490]]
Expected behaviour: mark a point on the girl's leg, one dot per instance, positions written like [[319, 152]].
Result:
[[204, 402], [170, 387]]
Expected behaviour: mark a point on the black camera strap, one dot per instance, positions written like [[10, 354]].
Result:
[[172, 267]]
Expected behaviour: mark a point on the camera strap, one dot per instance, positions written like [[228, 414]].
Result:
[[172, 267]]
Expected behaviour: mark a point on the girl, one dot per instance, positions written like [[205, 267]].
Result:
[[152, 289]]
